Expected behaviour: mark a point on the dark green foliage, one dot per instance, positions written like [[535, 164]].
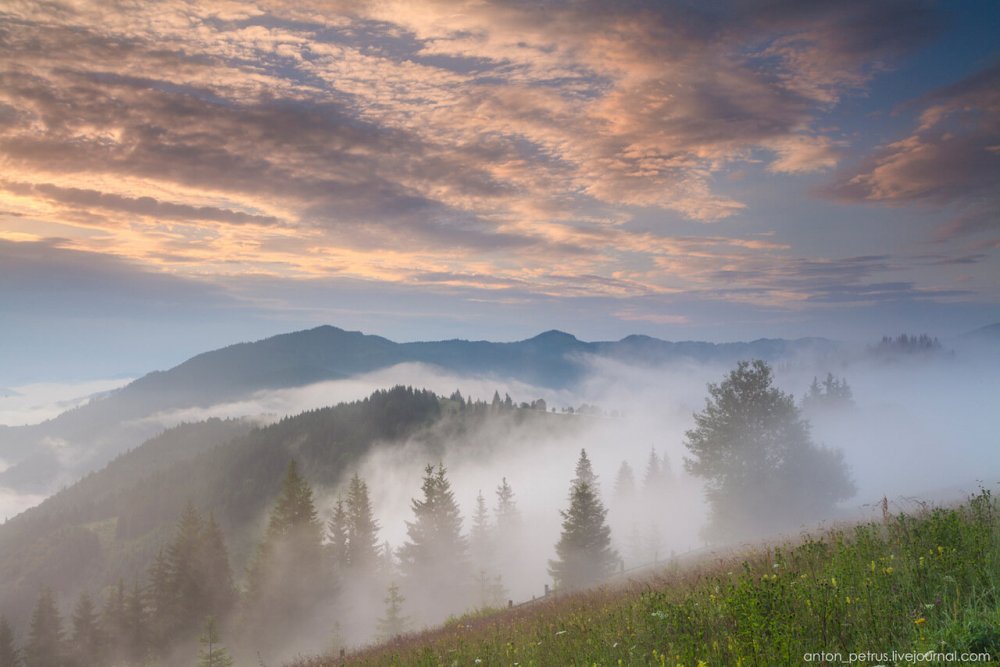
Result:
[[362, 551], [336, 534], [45, 634], [212, 653], [762, 471], [9, 655], [114, 623], [434, 560], [86, 644], [584, 553]]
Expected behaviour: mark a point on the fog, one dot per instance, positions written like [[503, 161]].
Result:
[[921, 430], [924, 428], [34, 403]]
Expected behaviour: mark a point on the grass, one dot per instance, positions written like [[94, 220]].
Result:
[[911, 583]]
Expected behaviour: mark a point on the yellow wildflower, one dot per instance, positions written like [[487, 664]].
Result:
[[920, 621]]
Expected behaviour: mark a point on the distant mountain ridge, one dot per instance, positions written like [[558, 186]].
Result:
[[554, 359]]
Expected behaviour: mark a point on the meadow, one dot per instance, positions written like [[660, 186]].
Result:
[[884, 592]]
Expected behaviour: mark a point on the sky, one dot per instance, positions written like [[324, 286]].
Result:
[[180, 175]]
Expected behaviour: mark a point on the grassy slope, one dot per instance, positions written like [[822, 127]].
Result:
[[910, 583]]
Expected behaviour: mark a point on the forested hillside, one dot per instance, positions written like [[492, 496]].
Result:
[[111, 524]]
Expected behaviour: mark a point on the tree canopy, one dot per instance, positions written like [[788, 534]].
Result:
[[761, 468]]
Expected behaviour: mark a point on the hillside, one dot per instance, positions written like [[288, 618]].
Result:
[[909, 584], [107, 426], [111, 524]]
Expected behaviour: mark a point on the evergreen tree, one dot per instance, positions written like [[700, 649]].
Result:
[[86, 643], [362, 529], [652, 480], [336, 532], [480, 537], [160, 597], [434, 560], [508, 518], [114, 623], [387, 561], [212, 653], [585, 472], [9, 655], [136, 642], [45, 634], [832, 393], [625, 483], [287, 577], [393, 623], [761, 468], [584, 550], [214, 571]]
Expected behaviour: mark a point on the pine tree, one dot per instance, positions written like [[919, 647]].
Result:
[[625, 483], [508, 518], [45, 634], [160, 596], [653, 478], [212, 653], [480, 537], [584, 550], [9, 655], [362, 529], [393, 623], [86, 643], [434, 560], [585, 472], [136, 641], [336, 532], [214, 571], [114, 623]]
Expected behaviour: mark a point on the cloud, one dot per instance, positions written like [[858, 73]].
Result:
[[952, 157]]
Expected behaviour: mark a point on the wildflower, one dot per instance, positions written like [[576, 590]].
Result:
[[920, 621], [561, 632], [833, 581], [478, 661], [888, 570], [847, 599]]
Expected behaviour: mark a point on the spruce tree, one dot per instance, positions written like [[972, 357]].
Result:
[[362, 529], [45, 634], [480, 537], [9, 655], [160, 596], [585, 472], [212, 653], [214, 571], [336, 532], [625, 483], [393, 623], [584, 553], [86, 644], [136, 641], [652, 481], [508, 518], [114, 623], [434, 560]]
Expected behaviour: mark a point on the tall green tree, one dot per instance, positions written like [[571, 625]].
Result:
[[584, 553], [45, 634], [481, 535], [336, 531], [585, 471], [212, 652], [9, 655], [136, 640], [362, 529], [508, 517], [434, 560], [86, 644], [114, 623], [393, 622], [625, 483], [761, 469]]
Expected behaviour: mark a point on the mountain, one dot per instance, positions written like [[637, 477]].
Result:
[[111, 524], [109, 425]]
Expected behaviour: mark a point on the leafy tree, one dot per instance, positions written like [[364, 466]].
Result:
[[45, 634], [87, 642], [434, 560], [762, 470], [212, 653], [584, 550], [393, 623], [9, 655]]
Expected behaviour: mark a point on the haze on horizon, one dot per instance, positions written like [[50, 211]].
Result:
[[178, 176]]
